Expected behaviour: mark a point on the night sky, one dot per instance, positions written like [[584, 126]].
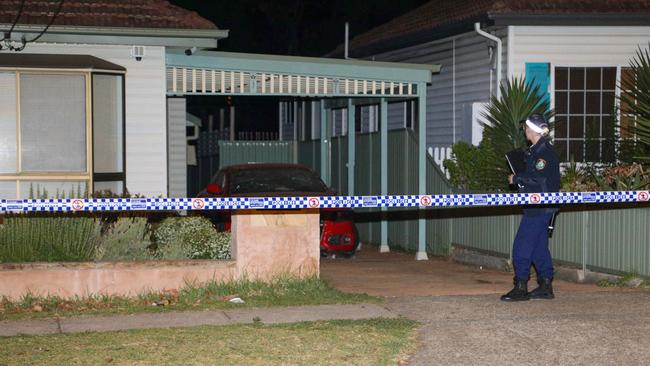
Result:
[[294, 27], [284, 27]]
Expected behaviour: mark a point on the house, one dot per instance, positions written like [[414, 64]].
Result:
[[576, 51], [85, 100]]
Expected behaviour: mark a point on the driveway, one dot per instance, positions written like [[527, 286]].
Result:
[[607, 328], [398, 274], [465, 323]]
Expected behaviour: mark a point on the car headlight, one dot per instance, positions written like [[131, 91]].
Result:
[[347, 239]]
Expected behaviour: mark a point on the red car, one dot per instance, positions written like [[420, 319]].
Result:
[[338, 233]]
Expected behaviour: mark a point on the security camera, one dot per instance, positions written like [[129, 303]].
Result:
[[190, 51]]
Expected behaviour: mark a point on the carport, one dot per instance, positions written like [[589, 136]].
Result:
[[336, 82]]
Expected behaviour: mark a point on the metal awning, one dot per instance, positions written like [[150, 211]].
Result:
[[225, 73]]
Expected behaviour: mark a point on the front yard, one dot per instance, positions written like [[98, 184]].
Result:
[[367, 342], [282, 291]]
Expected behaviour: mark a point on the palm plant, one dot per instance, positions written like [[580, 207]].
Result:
[[503, 130], [519, 99], [635, 100]]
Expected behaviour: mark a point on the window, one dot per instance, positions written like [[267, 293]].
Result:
[[585, 107], [108, 133], [8, 132], [52, 123], [46, 145]]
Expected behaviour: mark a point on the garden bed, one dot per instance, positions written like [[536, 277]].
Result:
[[115, 278]]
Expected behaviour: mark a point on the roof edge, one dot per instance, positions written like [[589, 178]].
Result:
[[124, 31], [570, 19], [415, 38], [172, 37]]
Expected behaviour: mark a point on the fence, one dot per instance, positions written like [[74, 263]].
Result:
[[599, 238], [402, 179]]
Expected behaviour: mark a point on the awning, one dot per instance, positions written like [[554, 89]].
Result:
[[224, 73], [52, 61]]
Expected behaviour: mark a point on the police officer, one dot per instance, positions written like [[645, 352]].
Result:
[[542, 174]]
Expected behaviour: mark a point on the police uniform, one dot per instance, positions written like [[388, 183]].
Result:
[[531, 243], [542, 174]]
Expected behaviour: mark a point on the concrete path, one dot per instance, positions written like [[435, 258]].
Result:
[[193, 318], [608, 328]]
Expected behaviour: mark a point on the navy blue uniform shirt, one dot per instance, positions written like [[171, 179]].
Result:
[[542, 172]]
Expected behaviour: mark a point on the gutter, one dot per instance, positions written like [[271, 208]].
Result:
[[477, 28]]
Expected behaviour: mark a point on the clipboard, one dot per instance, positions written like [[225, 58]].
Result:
[[516, 160]]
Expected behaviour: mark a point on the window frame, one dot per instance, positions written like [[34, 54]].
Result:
[[112, 176], [617, 94], [88, 176]]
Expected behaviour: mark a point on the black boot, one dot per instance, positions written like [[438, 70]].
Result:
[[518, 293], [544, 290]]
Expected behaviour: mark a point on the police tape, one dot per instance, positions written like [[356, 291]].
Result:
[[275, 203]]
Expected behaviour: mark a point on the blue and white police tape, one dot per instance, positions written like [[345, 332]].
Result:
[[274, 203]]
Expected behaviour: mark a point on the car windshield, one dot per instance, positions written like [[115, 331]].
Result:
[[275, 180]]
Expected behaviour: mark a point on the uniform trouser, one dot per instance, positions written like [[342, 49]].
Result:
[[531, 247]]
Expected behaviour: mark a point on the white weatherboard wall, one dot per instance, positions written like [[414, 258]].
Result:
[[576, 46], [146, 138]]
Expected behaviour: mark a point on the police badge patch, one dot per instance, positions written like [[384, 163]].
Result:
[[540, 164]]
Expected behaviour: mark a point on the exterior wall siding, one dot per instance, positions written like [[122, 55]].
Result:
[[466, 77], [146, 119], [576, 46]]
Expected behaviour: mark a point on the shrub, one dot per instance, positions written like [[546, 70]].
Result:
[[577, 179], [470, 169], [190, 238], [622, 177], [48, 239], [127, 238]]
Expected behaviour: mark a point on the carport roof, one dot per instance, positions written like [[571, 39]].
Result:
[[213, 72]]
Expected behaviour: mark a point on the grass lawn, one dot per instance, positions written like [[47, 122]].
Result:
[[359, 342], [283, 291]]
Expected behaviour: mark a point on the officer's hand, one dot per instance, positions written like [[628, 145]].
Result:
[[510, 177]]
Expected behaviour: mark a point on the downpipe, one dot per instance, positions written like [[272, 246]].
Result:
[[497, 40]]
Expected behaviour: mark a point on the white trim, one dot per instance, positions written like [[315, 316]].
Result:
[[511, 51]]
